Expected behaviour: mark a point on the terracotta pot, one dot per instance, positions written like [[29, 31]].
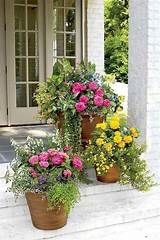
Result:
[[42, 217], [111, 176], [88, 125]]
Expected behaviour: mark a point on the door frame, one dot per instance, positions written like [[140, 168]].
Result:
[[23, 116]]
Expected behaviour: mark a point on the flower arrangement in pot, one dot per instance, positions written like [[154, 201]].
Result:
[[116, 155], [49, 176], [77, 99]]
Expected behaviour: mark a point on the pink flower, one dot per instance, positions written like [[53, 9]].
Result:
[[80, 106], [67, 148], [44, 164], [44, 156], [100, 92], [59, 158], [77, 163], [78, 87], [52, 151], [98, 101], [106, 103], [67, 173], [33, 172], [84, 99], [33, 160], [92, 86]]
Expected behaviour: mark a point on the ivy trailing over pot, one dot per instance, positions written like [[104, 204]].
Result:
[[74, 93]]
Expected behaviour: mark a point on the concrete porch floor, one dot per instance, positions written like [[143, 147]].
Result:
[[19, 134]]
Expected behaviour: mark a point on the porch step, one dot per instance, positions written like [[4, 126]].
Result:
[[103, 210]]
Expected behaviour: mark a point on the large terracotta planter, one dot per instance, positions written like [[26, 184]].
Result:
[[88, 125], [111, 176], [42, 217]]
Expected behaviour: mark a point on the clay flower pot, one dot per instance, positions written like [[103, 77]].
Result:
[[88, 125], [42, 217], [111, 176]]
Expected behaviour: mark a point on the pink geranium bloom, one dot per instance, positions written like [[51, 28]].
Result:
[[44, 156], [78, 87], [44, 164], [52, 151], [67, 173], [67, 148], [77, 163], [84, 99], [99, 92], [80, 106], [33, 172], [106, 103], [34, 160], [59, 158], [92, 86], [98, 101]]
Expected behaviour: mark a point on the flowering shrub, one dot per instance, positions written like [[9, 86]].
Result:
[[47, 167], [114, 143]]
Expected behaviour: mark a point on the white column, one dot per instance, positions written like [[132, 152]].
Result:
[[144, 76], [95, 33]]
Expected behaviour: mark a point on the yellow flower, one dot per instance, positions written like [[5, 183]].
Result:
[[102, 135], [115, 118], [134, 132], [114, 124], [101, 125], [99, 141], [119, 109], [128, 139], [108, 147], [121, 144], [117, 139], [117, 133], [135, 135], [121, 98]]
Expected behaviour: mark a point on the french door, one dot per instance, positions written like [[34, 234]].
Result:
[[25, 58]]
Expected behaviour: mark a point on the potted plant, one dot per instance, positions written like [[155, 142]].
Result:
[[49, 176], [116, 155], [77, 99]]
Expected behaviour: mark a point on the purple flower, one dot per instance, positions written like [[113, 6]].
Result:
[[42, 180]]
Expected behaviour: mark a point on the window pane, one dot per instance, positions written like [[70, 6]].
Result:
[[20, 44], [32, 89], [32, 44], [32, 2], [70, 45], [58, 45], [19, 1], [20, 70], [19, 17], [70, 20], [58, 3], [70, 3], [21, 97], [58, 20], [32, 18], [33, 69]]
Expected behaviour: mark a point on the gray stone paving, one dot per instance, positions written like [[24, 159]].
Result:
[[19, 134]]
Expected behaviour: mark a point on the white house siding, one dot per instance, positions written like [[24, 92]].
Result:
[[3, 110], [144, 75], [95, 33]]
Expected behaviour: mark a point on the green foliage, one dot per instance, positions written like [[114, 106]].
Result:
[[116, 38]]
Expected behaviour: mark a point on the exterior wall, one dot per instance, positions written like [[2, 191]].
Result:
[[144, 76], [95, 33], [3, 109]]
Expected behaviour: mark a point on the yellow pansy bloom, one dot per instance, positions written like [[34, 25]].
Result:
[[128, 139], [119, 109], [114, 124], [115, 118], [134, 132], [108, 147], [117, 139], [117, 133], [101, 125], [99, 141], [121, 144], [135, 135]]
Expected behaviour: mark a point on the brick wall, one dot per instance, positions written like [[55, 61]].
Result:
[[144, 76], [95, 33]]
